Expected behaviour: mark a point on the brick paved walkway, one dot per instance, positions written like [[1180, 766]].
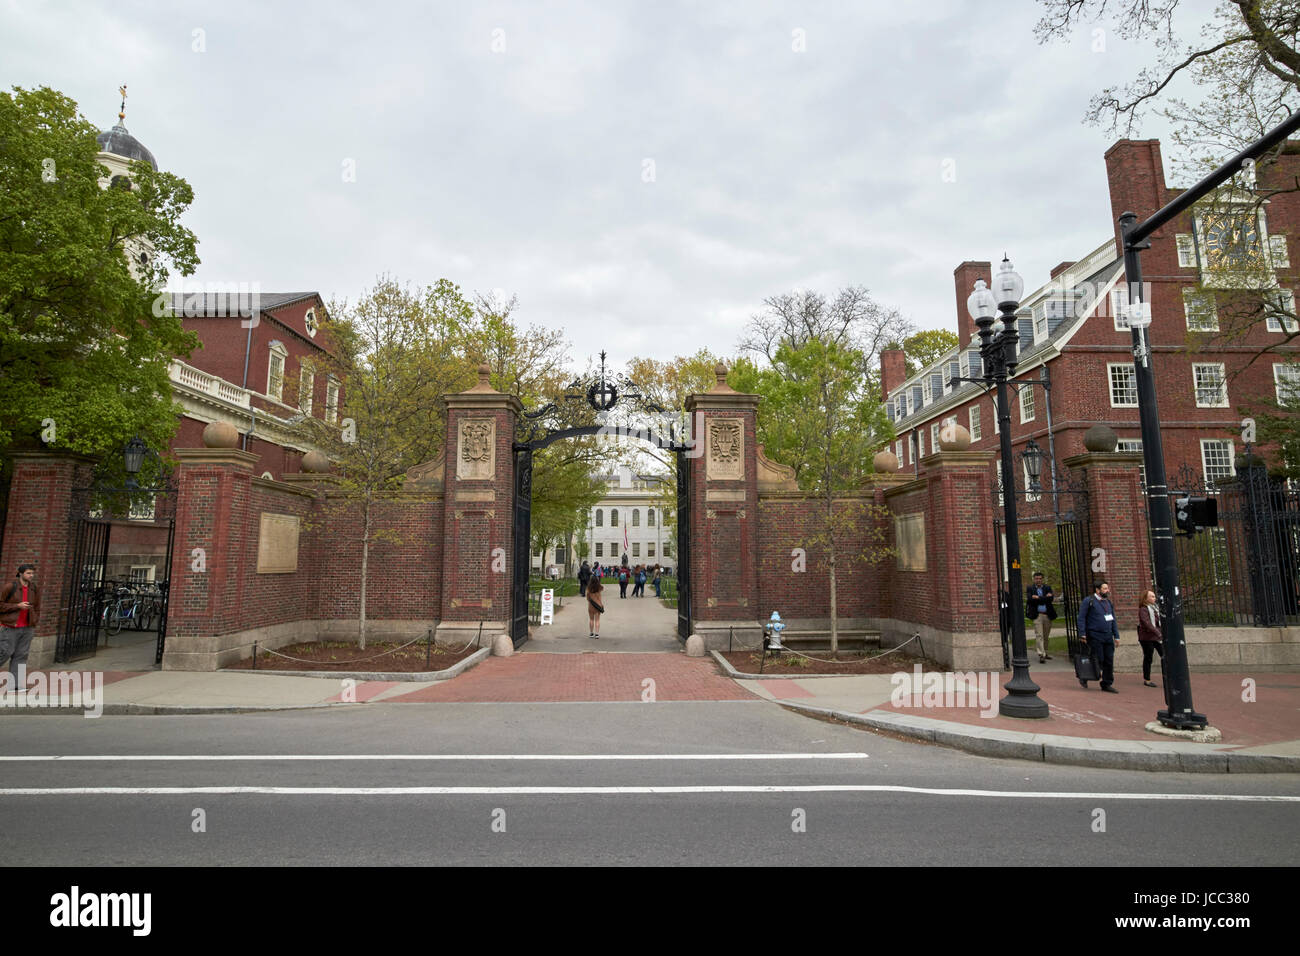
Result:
[[572, 677]]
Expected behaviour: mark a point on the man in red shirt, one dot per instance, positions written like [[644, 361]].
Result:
[[20, 608]]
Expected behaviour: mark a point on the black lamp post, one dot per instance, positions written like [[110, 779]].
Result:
[[998, 355], [1032, 456]]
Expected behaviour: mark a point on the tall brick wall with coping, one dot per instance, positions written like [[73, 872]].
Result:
[[38, 530]]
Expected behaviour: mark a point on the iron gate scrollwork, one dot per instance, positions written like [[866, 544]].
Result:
[[97, 598], [1053, 522], [603, 394]]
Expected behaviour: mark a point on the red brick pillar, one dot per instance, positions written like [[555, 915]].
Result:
[[723, 563], [1117, 525], [215, 544], [477, 546], [944, 587], [39, 531]]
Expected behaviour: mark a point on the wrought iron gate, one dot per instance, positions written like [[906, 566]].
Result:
[[601, 393], [91, 588], [523, 512], [1054, 526]]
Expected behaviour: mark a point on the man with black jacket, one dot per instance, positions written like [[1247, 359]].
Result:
[[1042, 612], [1097, 625]]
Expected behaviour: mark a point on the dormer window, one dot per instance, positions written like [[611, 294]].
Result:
[[275, 371]]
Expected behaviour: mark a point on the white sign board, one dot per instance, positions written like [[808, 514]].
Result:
[[548, 606]]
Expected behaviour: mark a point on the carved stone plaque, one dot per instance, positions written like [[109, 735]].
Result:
[[476, 449], [726, 450], [909, 536], [277, 544]]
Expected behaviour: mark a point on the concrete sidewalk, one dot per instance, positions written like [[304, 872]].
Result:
[[1085, 727]]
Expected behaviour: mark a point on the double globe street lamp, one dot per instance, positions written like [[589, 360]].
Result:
[[998, 341]]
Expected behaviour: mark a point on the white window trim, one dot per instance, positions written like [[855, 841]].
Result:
[[1223, 385], [1186, 250], [1232, 455], [1286, 303], [1027, 392], [1110, 384], [1119, 307], [1279, 378], [973, 417], [277, 351], [332, 400], [306, 387], [1278, 252], [920, 444], [934, 437], [1192, 297]]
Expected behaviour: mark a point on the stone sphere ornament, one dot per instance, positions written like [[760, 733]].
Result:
[[885, 462], [220, 435], [1100, 438], [953, 438], [315, 462]]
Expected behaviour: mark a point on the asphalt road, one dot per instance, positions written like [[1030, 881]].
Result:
[[572, 783]]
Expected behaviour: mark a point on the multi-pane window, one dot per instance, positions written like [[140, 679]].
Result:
[[1026, 404], [1200, 311], [1277, 246], [275, 373], [1281, 312], [1186, 252], [1216, 458], [332, 400], [650, 550], [898, 450], [600, 550], [934, 437], [1123, 386], [636, 549], [920, 444], [1119, 307], [613, 517], [975, 423], [600, 518], [1211, 390], [613, 549], [1286, 381], [650, 517], [636, 517]]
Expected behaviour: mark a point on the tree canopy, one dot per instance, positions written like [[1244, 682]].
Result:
[[84, 355]]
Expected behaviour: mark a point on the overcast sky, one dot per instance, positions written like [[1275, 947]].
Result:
[[642, 175]]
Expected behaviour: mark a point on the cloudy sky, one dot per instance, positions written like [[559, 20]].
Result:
[[642, 175]]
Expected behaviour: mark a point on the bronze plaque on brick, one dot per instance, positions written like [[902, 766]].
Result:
[[277, 544], [909, 534]]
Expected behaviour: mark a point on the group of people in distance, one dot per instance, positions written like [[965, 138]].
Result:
[[590, 586], [1098, 627]]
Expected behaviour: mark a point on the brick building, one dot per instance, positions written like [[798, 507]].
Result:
[[1073, 327]]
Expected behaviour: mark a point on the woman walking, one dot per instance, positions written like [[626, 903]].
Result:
[[1149, 634], [595, 607]]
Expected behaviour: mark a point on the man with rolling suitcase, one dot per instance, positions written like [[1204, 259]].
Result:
[[1098, 627]]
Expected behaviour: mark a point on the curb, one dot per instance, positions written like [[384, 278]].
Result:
[[1076, 751], [414, 676], [130, 710]]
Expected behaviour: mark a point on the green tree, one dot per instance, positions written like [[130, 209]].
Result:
[[926, 347], [397, 351], [84, 354], [815, 406]]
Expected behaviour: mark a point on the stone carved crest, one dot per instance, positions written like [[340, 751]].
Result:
[[726, 449], [477, 458]]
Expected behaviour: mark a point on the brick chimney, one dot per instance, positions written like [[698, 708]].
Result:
[[1136, 174], [893, 371], [964, 277]]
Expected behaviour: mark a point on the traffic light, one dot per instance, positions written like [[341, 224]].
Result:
[[1193, 514]]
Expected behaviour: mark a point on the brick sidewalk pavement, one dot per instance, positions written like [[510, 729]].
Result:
[[582, 677]]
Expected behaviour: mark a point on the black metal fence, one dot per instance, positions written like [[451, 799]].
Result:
[[1245, 571]]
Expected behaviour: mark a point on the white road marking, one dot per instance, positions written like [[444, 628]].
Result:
[[111, 758], [565, 791]]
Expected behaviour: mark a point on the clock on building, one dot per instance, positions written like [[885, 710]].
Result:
[[1231, 240]]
